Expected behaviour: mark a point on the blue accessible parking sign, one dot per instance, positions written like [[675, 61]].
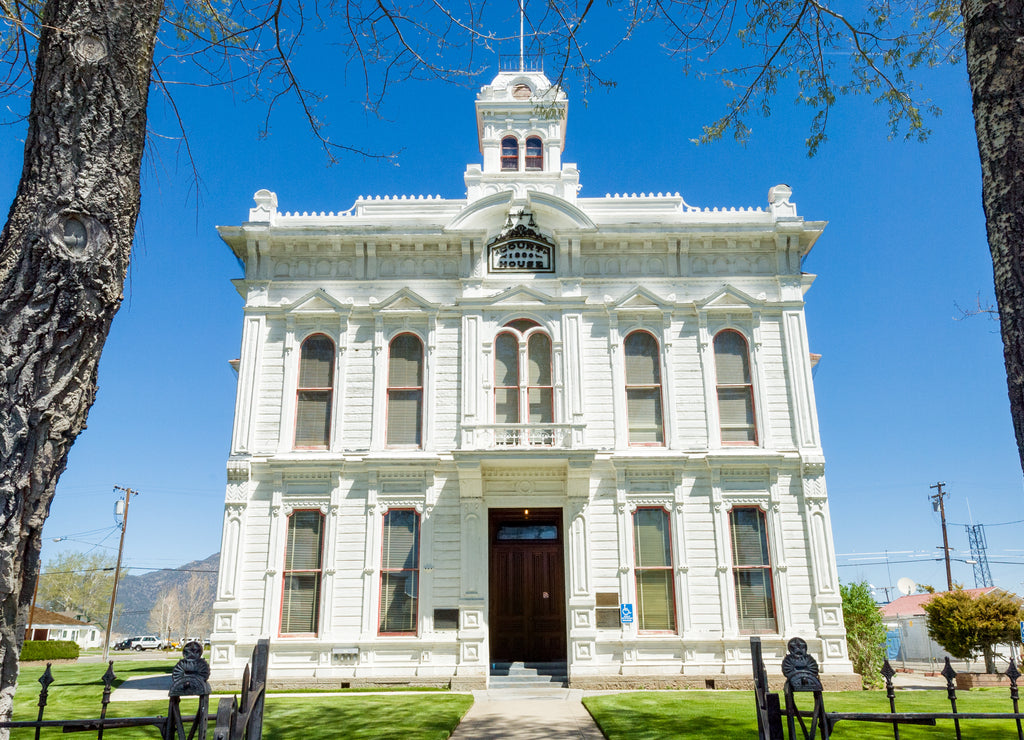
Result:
[[626, 613]]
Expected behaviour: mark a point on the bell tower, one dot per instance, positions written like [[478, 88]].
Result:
[[521, 119]]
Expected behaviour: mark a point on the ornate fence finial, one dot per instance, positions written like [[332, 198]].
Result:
[[799, 668], [188, 678]]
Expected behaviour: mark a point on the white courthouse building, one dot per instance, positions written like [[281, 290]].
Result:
[[525, 425]]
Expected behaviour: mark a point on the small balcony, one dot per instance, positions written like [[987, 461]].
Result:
[[522, 436]]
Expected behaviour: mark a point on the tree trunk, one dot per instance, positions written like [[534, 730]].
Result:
[[993, 30], [63, 258], [990, 659]]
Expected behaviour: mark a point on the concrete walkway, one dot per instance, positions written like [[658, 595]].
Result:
[[520, 714]]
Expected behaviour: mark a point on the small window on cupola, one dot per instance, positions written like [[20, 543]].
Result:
[[521, 91], [510, 153], [534, 154]]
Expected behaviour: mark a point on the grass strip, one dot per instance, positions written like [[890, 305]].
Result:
[[76, 693], [729, 715]]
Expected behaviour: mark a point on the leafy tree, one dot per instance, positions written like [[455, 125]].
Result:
[[865, 633], [965, 626], [79, 583], [65, 247]]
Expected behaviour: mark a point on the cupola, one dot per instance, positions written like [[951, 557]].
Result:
[[521, 119]]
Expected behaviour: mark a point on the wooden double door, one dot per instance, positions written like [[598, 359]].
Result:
[[527, 585]]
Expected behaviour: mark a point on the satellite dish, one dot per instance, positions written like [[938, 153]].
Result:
[[906, 586]]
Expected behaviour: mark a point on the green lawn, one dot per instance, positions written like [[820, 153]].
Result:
[[729, 715], [76, 693]]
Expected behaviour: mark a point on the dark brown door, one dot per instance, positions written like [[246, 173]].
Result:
[[527, 585]]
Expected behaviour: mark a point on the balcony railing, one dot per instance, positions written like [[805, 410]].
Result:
[[522, 436]]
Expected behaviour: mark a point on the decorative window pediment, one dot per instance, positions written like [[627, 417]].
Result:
[[520, 297], [642, 300], [317, 302], [406, 301], [729, 298]]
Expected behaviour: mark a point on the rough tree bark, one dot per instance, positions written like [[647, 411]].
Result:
[[63, 258], [994, 48]]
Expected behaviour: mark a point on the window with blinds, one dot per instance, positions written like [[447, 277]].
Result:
[[300, 605], [405, 392], [510, 153], [399, 572], [315, 393], [752, 573], [643, 389], [523, 391], [534, 154], [735, 391], [655, 592]]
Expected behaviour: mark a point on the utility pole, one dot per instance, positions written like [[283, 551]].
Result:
[[938, 505], [117, 570]]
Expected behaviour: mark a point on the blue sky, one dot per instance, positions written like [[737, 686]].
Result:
[[907, 395]]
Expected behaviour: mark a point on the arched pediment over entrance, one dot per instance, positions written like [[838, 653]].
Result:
[[490, 213]]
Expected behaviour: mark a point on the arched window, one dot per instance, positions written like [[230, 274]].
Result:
[[405, 391], [735, 392], [315, 393], [510, 153], [523, 390], [643, 389], [534, 153], [752, 571]]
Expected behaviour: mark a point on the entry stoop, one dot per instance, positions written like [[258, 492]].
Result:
[[521, 675]]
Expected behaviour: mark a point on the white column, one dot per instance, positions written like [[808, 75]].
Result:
[[801, 386], [761, 416], [290, 360], [247, 398]]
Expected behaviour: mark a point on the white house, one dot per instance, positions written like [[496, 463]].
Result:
[[525, 425], [47, 625]]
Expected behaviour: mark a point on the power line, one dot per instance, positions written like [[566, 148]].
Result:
[[997, 524]]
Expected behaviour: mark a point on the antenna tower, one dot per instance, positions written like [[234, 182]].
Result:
[[979, 555]]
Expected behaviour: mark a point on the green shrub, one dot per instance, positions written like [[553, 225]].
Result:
[[865, 633], [49, 650]]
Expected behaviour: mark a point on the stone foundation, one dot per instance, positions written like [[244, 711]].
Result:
[[845, 682], [717, 682]]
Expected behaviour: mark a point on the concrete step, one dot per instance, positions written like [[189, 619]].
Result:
[[522, 675]]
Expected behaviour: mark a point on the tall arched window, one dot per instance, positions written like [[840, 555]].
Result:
[[523, 390], [735, 391], [510, 153], [405, 391], [643, 389], [534, 153], [315, 393]]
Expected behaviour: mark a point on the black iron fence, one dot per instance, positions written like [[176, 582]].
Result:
[[237, 718], [778, 722]]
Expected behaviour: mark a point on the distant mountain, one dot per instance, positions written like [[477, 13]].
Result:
[[136, 595]]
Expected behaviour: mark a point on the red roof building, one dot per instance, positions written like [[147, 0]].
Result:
[[913, 605]]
